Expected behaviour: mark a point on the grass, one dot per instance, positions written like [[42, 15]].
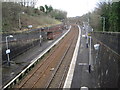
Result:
[[36, 22], [12, 13]]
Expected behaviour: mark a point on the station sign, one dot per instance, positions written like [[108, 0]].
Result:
[[7, 51]]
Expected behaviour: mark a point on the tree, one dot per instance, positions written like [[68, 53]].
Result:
[[114, 17], [110, 11], [58, 14], [42, 9], [47, 9], [50, 8], [111, 14], [104, 9]]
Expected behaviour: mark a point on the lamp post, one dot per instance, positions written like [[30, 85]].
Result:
[[20, 20], [103, 23], [40, 39], [8, 50]]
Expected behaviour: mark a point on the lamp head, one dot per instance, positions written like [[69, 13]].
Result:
[[97, 46], [10, 35]]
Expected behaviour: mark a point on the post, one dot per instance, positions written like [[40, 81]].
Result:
[[87, 42], [103, 24], [6, 42], [19, 22], [90, 60], [40, 39], [8, 59], [8, 50], [87, 36]]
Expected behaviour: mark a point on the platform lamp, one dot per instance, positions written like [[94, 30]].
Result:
[[8, 50]]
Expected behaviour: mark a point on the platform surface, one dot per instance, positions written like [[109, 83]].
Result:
[[82, 77]]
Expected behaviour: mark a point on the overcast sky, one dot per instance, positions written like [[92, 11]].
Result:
[[73, 7]]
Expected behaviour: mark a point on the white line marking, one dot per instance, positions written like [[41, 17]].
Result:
[[69, 77], [82, 64]]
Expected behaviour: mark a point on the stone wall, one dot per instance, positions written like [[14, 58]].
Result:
[[111, 39], [106, 60]]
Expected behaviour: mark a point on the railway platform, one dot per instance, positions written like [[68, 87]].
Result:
[[79, 74], [19, 63]]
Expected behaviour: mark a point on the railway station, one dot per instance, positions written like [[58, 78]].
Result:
[[66, 63], [45, 49]]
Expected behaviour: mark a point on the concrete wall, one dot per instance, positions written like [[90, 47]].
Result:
[[106, 61]]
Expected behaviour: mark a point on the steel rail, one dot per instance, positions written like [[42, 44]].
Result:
[[57, 68], [52, 62], [40, 67]]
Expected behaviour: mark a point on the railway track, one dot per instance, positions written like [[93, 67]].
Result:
[[59, 75], [51, 71]]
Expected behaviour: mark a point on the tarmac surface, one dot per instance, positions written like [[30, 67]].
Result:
[[82, 77]]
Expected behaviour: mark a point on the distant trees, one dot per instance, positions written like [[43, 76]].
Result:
[[103, 10], [23, 2], [54, 13], [42, 9], [110, 11], [27, 2], [58, 14], [50, 9], [112, 17], [46, 9]]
